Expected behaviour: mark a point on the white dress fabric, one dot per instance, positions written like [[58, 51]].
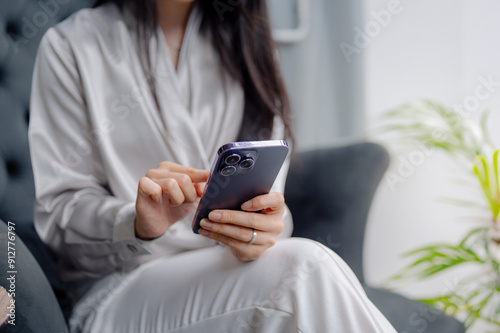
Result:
[[95, 130]]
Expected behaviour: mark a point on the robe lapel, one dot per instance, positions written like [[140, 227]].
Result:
[[174, 97]]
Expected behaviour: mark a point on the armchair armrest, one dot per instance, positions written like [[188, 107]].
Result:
[[329, 192], [36, 307]]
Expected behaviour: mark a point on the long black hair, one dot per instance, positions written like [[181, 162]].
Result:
[[241, 34]]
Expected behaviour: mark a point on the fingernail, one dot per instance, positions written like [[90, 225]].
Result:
[[205, 223], [203, 232], [214, 216], [247, 205]]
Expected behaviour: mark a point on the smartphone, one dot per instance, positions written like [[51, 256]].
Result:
[[241, 171]]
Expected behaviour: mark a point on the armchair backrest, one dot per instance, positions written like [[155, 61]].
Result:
[[25, 22]]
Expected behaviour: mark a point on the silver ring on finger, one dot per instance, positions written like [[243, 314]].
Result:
[[254, 237]]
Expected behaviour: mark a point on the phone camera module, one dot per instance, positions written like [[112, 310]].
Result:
[[228, 170], [247, 163], [233, 159]]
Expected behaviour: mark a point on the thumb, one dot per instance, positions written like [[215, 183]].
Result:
[[148, 188]]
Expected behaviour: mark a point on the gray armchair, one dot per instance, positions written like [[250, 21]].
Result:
[[329, 191]]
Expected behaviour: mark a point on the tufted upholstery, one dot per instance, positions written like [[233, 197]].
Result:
[[22, 25]]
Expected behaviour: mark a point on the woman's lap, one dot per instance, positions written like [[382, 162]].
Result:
[[292, 287]]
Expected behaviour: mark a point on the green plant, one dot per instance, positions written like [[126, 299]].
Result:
[[476, 297]]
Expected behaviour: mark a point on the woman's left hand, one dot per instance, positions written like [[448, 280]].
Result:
[[235, 228]]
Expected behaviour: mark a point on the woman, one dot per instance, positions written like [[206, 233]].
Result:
[[130, 101]]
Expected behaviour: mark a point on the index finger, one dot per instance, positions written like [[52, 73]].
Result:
[[272, 201], [196, 175]]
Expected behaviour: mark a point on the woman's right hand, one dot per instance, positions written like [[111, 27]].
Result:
[[166, 195]]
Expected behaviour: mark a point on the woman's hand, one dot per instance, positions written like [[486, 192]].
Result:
[[235, 228], [166, 195]]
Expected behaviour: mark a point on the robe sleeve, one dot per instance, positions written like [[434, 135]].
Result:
[[75, 213], [279, 184]]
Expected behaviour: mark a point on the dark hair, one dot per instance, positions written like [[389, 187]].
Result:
[[241, 34]]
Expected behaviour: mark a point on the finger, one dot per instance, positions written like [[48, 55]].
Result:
[[158, 173], [149, 188], [166, 173], [196, 175], [250, 220], [200, 187], [272, 201], [239, 218], [240, 233], [186, 185], [171, 189], [246, 251]]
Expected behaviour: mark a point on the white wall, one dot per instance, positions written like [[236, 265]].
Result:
[[430, 49], [319, 80]]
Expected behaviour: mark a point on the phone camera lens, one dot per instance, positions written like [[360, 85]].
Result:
[[246, 163], [233, 159], [228, 170]]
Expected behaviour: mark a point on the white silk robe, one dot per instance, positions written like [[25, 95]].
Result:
[[95, 131]]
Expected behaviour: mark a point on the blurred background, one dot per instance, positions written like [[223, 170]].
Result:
[[374, 62]]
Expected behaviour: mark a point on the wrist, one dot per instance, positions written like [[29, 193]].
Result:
[[140, 234]]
